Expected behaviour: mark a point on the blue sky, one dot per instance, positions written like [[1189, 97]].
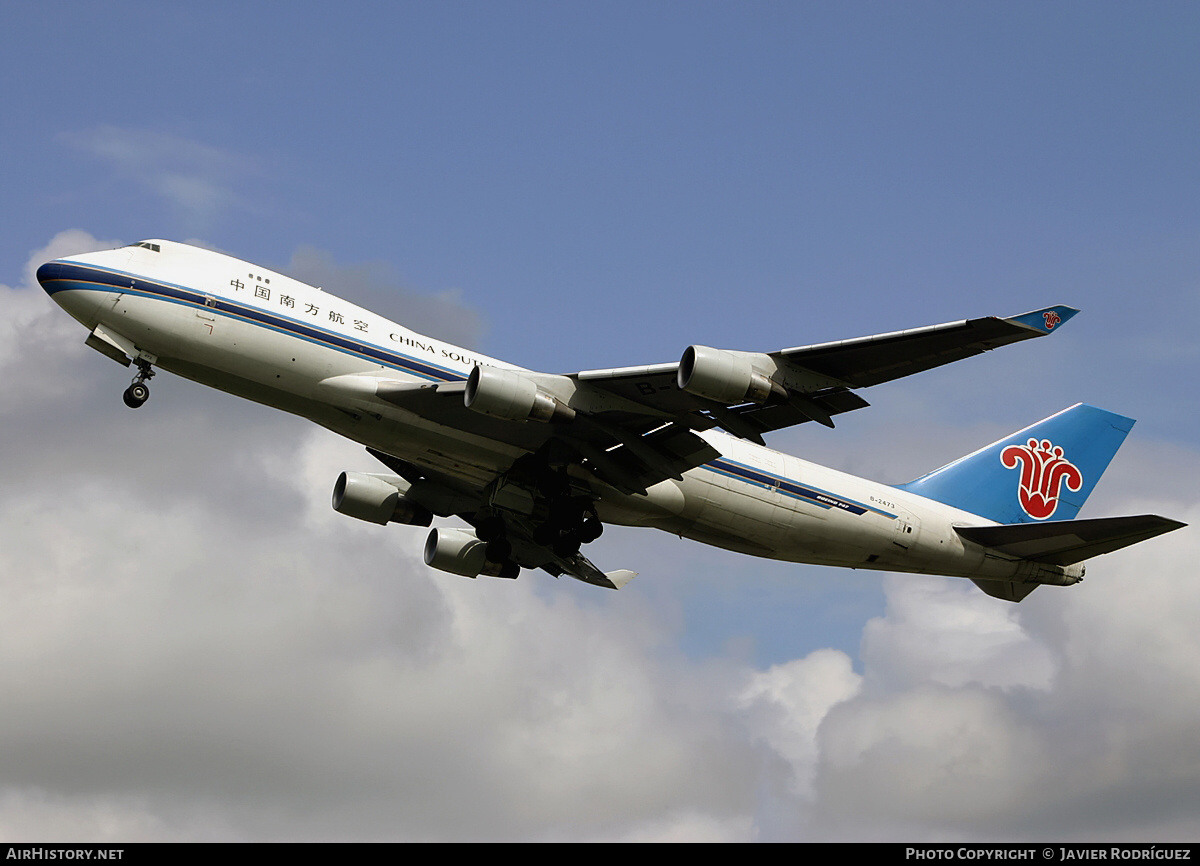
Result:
[[573, 186]]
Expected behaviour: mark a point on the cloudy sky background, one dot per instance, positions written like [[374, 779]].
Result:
[[194, 646]]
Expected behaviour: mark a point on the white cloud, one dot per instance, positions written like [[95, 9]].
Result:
[[785, 705], [926, 761], [30, 317], [948, 741], [197, 179], [328, 685], [939, 631]]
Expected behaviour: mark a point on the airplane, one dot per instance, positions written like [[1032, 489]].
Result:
[[537, 463]]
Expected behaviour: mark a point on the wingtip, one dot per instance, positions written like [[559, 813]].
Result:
[[620, 577], [1046, 320]]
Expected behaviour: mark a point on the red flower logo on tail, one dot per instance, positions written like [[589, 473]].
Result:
[[1044, 470]]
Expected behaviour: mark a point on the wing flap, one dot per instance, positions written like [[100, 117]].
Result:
[[1006, 590], [817, 407], [581, 568]]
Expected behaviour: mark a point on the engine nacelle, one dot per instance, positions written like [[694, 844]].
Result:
[[509, 395], [376, 499], [459, 551], [724, 377]]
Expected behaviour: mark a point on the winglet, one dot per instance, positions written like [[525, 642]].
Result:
[[1045, 321]]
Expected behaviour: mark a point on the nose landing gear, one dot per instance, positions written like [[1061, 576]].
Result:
[[139, 392]]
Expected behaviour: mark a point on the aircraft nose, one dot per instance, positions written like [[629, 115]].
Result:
[[52, 278], [63, 287], [45, 275]]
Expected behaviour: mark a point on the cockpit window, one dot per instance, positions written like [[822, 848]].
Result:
[[147, 245]]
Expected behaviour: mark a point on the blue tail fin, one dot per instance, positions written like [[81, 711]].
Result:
[[1044, 471]]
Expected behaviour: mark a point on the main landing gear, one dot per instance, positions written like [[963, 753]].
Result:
[[561, 520], [139, 392], [569, 524]]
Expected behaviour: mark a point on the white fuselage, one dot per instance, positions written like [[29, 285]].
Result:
[[267, 337]]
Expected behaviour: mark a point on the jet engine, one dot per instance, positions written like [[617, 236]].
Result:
[[459, 551], [724, 377], [509, 395], [377, 499]]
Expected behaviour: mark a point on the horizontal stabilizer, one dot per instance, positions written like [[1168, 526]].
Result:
[[1066, 542]]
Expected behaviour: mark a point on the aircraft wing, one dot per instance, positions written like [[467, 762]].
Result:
[[633, 427], [812, 383], [867, 361]]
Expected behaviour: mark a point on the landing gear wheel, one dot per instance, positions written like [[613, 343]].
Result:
[[591, 530], [136, 394], [139, 392]]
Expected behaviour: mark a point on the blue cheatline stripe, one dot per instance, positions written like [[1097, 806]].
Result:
[[812, 495], [80, 277]]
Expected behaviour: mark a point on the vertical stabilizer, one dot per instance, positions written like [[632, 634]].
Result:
[[1043, 472]]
